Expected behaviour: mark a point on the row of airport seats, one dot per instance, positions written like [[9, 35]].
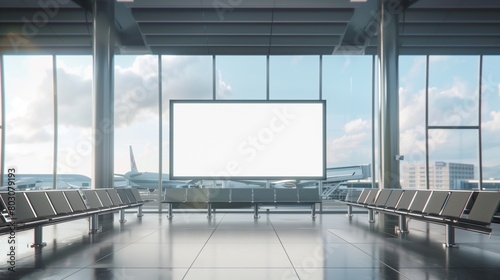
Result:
[[24, 210], [468, 210], [213, 198]]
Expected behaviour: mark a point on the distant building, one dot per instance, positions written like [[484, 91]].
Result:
[[487, 185], [442, 175]]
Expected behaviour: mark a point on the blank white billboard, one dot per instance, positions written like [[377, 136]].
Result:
[[247, 139]]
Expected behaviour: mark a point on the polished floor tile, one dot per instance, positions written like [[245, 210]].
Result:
[[151, 256], [122, 273], [221, 255], [237, 246], [241, 274]]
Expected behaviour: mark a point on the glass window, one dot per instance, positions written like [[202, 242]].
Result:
[[490, 119], [137, 121], [183, 77], [74, 114], [450, 149], [29, 114], [412, 71], [347, 89], [453, 90], [241, 77], [293, 77]]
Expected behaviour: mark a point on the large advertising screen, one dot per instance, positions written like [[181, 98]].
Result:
[[247, 140]]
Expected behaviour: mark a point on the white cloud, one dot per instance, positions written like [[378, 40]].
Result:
[[351, 147], [356, 126], [438, 58], [494, 123], [224, 89], [348, 149]]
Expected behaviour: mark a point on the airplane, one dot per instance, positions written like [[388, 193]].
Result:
[[46, 181], [149, 180]]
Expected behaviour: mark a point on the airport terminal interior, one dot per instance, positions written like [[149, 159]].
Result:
[[368, 147]]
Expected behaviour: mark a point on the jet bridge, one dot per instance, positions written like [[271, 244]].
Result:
[[337, 176]]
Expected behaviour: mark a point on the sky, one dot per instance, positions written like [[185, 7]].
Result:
[[453, 101]]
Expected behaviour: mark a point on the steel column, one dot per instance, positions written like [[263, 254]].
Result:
[[103, 95], [388, 94], [450, 236], [38, 242]]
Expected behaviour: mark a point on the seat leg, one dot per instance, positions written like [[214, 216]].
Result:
[[450, 237], [256, 211], [209, 210], [139, 211], [349, 211], [94, 226], [371, 216], [169, 213], [402, 225], [38, 238], [122, 216], [313, 210]]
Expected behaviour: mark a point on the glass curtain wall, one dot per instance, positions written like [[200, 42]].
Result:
[[241, 77], [455, 118], [490, 122], [347, 88], [74, 111], [412, 127], [29, 118], [293, 77], [137, 122], [183, 77], [453, 121]]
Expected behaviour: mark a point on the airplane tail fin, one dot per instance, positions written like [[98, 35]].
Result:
[[133, 166]]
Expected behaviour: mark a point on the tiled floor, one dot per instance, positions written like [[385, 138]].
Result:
[[235, 246]]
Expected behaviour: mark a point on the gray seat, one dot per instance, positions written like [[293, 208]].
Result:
[[352, 195], [75, 201], [59, 202], [456, 204], [436, 203], [393, 199], [406, 200], [40, 204], [123, 196], [104, 198], [383, 197], [92, 199], [115, 198], [362, 197], [419, 202], [197, 195], [372, 197], [23, 211], [219, 195], [175, 195], [136, 194], [484, 207], [309, 195], [241, 195], [263, 195], [287, 196]]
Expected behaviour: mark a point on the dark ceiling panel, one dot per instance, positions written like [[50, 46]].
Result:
[[256, 27]]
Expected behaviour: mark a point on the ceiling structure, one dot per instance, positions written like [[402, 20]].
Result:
[[250, 27]]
